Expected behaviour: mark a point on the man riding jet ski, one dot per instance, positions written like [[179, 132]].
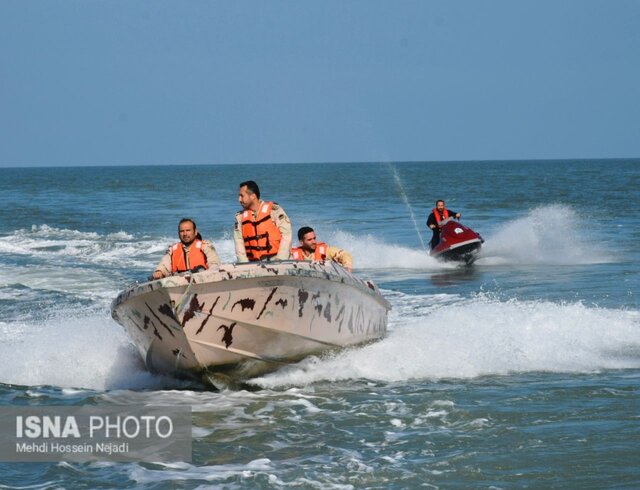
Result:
[[452, 241]]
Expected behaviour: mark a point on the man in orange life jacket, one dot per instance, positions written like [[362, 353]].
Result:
[[262, 229], [438, 214], [309, 249], [191, 252]]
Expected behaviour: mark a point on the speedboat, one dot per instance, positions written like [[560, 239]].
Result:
[[240, 320], [457, 242]]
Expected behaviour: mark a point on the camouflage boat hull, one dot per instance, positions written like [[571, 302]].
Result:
[[249, 318]]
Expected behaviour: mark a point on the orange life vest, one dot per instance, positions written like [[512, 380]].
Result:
[[436, 213], [320, 253], [184, 260], [261, 235]]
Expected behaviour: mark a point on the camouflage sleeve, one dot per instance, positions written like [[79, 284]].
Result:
[[340, 256], [164, 265], [283, 223], [238, 241], [209, 250]]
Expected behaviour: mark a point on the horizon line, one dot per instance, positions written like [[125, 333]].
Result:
[[359, 162]]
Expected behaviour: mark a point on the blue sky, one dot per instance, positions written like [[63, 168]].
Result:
[[157, 82]]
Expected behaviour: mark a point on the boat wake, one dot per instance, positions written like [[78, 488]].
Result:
[[547, 235], [553, 235], [88, 352], [431, 337], [446, 337], [57, 286]]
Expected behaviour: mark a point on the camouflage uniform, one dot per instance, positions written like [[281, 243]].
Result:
[[207, 248], [336, 254], [280, 218]]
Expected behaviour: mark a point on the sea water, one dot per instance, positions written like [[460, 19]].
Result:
[[521, 371]]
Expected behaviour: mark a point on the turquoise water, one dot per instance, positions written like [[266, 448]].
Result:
[[522, 371]]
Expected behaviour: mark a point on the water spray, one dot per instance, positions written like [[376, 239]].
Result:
[[403, 194]]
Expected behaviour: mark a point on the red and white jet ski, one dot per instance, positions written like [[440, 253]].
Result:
[[457, 242]]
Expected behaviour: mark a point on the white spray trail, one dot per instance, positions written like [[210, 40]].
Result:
[[403, 194], [439, 336]]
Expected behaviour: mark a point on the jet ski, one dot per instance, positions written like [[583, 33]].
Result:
[[457, 243]]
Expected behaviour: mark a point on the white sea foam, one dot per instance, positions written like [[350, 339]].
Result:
[[176, 472], [430, 337], [61, 245], [83, 264], [482, 336], [552, 234], [75, 352], [225, 248], [58, 245], [370, 252], [77, 281]]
